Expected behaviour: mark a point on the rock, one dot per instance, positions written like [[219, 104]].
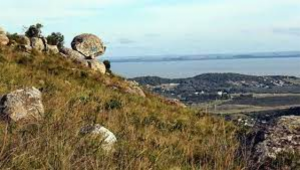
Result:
[[89, 45], [133, 88], [23, 40], [97, 66], [37, 44], [281, 138], [22, 104], [107, 137], [52, 49], [3, 40], [74, 55]]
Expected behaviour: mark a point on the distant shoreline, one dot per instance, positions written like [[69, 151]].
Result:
[[191, 58]]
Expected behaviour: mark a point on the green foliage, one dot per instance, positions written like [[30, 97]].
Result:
[[56, 38], [34, 30]]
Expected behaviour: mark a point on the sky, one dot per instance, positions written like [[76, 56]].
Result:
[[165, 27]]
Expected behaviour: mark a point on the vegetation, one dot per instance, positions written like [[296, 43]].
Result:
[[16, 38], [151, 134], [57, 39], [34, 30], [107, 65]]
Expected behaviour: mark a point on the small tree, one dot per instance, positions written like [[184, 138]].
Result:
[[56, 38], [34, 31], [107, 65]]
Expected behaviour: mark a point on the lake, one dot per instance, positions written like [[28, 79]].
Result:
[[183, 69]]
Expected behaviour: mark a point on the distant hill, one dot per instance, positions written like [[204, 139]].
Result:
[[194, 88], [291, 54]]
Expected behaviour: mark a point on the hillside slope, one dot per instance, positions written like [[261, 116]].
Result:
[[151, 133]]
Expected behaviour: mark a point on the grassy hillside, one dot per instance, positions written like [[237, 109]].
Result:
[[151, 134]]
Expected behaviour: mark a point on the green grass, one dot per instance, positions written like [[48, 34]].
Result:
[[151, 134]]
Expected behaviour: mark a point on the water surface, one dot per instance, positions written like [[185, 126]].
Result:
[[183, 69]]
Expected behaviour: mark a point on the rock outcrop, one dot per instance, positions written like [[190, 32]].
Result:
[[52, 49], [89, 45], [3, 37], [37, 44], [280, 139], [22, 104], [107, 138], [74, 55], [96, 66], [82, 59], [85, 48], [134, 88]]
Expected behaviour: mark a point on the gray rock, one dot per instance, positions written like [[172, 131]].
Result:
[[37, 44], [281, 138], [97, 66], [74, 55], [108, 139], [22, 104], [89, 45]]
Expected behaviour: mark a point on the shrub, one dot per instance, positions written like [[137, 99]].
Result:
[[34, 30], [107, 65], [113, 104], [56, 38], [16, 38]]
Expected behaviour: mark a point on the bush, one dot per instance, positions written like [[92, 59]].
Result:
[[16, 38], [113, 104], [34, 31], [56, 38], [107, 65]]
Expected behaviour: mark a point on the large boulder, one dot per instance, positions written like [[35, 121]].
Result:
[[89, 45], [37, 44], [107, 138], [282, 138], [22, 104], [97, 66], [74, 55]]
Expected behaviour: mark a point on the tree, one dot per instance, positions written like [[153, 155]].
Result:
[[56, 38], [34, 30]]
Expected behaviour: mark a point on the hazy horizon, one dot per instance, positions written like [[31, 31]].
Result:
[[171, 27]]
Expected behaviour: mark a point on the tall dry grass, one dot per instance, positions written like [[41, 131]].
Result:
[[151, 134]]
